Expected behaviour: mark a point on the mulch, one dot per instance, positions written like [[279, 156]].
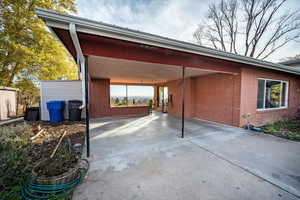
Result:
[[44, 143]]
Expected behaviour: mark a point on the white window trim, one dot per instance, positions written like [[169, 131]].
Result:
[[286, 94]]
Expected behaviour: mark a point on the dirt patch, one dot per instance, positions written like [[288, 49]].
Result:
[[44, 143]]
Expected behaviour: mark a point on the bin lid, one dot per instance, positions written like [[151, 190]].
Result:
[[72, 104], [75, 101], [56, 101]]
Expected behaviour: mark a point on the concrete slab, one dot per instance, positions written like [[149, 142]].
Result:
[[144, 158]]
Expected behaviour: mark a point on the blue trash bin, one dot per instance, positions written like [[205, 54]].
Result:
[[56, 110]]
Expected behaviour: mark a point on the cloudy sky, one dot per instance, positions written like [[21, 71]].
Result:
[[176, 19]]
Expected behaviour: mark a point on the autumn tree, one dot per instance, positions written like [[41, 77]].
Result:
[[28, 51], [254, 28]]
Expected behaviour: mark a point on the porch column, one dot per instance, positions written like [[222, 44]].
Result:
[[182, 104], [87, 114]]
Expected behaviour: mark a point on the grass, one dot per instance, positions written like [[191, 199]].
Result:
[[286, 129]]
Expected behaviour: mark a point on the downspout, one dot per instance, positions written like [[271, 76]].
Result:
[[80, 60]]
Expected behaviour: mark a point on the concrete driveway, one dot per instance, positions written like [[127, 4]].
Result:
[[144, 158]]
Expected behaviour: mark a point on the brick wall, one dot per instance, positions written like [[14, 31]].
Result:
[[100, 102], [175, 90], [249, 96], [224, 98], [218, 97], [213, 97]]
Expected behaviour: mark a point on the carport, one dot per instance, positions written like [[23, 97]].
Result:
[[108, 55], [144, 65], [105, 71], [145, 157]]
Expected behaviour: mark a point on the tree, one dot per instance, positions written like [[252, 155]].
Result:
[[254, 28], [117, 101], [29, 93], [296, 57], [28, 52]]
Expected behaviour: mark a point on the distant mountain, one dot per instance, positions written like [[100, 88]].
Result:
[[132, 97]]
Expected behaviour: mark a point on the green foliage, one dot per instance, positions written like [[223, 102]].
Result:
[[288, 129], [29, 92], [124, 101], [14, 164], [150, 103], [28, 52], [270, 128]]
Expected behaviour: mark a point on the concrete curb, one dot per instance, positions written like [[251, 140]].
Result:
[[11, 121]]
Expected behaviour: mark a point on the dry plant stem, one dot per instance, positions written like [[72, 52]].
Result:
[[33, 137], [53, 153]]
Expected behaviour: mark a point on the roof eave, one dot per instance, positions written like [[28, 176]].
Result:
[[53, 19]]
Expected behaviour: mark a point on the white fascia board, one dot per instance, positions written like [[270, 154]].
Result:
[[56, 20]]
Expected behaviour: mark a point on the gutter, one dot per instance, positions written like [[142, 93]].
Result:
[[80, 60], [53, 19]]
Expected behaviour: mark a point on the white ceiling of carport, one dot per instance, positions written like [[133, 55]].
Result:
[[129, 71]]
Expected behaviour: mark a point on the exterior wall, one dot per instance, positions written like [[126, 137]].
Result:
[[225, 98], [217, 98], [99, 98], [100, 102], [59, 90], [129, 111], [213, 97], [207, 98], [8, 103], [175, 90], [249, 96]]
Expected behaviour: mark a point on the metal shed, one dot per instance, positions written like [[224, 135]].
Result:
[[8, 102]]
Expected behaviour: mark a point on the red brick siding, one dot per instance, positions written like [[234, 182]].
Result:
[[175, 89], [249, 96], [217, 97], [222, 98], [100, 102], [130, 111], [214, 97]]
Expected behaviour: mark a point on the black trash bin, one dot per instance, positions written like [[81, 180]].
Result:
[[74, 110], [32, 114]]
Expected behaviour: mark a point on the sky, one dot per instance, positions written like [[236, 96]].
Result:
[[175, 19]]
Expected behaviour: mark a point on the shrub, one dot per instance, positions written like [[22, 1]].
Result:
[[14, 163], [289, 129]]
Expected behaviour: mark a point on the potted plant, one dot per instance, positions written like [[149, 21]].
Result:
[[150, 105], [247, 117]]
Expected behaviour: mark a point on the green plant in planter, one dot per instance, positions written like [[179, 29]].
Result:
[[150, 103]]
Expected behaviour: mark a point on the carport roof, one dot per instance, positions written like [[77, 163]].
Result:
[[56, 20]]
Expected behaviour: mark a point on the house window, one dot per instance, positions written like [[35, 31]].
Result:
[[272, 94], [130, 95]]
